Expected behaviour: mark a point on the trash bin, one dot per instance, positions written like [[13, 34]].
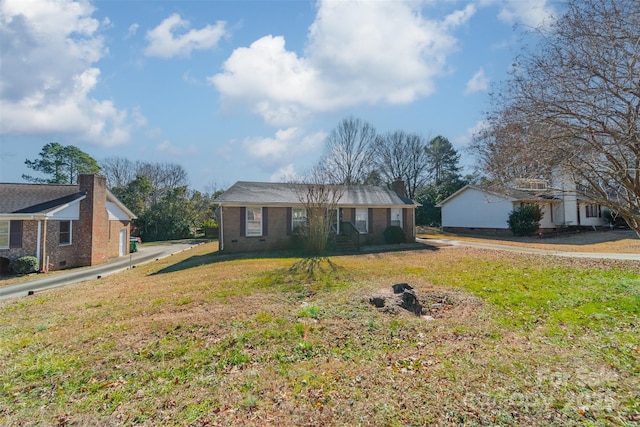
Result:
[[133, 245]]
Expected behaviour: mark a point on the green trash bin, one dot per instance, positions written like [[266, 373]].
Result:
[[133, 245]]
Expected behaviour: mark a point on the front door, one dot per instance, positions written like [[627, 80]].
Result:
[[123, 243]]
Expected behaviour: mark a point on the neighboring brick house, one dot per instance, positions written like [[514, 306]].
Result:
[[63, 225], [258, 216]]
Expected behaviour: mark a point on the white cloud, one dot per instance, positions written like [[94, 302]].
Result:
[[478, 83], [468, 136], [532, 13], [357, 53], [169, 148], [286, 173], [133, 29], [165, 42], [48, 52], [284, 147]]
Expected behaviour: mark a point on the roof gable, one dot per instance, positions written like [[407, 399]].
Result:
[[266, 193], [511, 194]]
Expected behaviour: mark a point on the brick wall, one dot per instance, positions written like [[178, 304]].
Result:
[[93, 225], [29, 241], [113, 243], [275, 239]]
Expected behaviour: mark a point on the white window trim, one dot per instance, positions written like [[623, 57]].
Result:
[[246, 224], [8, 235], [366, 219], [399, 212], [300, 221], [70, 234]]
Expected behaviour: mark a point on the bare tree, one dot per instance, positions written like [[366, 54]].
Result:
[[320, 202], [574, 104], [348, 157], [119, 171], [402, 156]]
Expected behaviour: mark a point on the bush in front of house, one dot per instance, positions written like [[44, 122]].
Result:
[[525, 221], [24, 265], [394, 234]]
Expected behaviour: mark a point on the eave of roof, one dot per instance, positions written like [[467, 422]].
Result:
[[53, 206], [284, 194]]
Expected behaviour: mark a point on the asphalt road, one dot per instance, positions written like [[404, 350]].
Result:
[[144, 255]]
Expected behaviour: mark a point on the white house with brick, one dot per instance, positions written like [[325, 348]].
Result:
[[478, 209], [63, 225]]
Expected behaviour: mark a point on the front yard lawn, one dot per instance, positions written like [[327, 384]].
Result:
[[204, 340]]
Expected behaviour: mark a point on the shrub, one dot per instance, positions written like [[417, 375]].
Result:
[[25, 264], [614, 219], [525, 220], [394, 234], [210, 223]]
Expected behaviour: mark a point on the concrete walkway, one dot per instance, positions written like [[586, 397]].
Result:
[[520, 249], [144, 255]]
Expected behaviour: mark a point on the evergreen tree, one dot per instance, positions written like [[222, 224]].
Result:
[[62, 164]]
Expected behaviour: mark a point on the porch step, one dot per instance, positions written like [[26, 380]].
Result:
[[345, 244]]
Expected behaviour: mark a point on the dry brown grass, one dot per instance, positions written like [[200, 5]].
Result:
[[610, 241], [198, 339]]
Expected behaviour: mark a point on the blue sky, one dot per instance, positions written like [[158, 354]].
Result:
[[245, 90]]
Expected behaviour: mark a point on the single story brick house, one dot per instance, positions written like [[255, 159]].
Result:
[[261, 216], [63, 225]]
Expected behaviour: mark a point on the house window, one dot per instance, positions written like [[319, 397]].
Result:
[[362, 219], [298, 218], [254, 221], [4, 234], [593, 211], [65, 233], [396, 217]]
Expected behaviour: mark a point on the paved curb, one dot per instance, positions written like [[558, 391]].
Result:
[[90, 273]]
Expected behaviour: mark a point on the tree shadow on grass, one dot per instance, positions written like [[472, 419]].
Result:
[[216, 257], [306, 264]]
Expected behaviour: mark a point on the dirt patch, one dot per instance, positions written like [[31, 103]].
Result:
[[402, 297]]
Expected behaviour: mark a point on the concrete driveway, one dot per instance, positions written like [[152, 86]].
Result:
[[145, 254], [521, 249]]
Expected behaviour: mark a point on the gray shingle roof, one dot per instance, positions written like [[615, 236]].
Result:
[[35, 198], [268, 193]]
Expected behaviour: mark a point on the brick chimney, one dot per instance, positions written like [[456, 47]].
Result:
[[93, 225], [399, 188]]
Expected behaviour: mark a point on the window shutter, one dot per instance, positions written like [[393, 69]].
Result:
[[289, 219], [353, 215], [243, 221], [15, 234], [405, 215], [388, 217], [370, 212], [265, 221]]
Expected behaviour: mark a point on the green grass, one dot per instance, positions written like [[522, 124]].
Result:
[[527, 341]]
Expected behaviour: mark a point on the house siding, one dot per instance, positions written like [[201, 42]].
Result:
[[278, 238], [28, 247], [115, 227], [94, 237], [473, 209], [275, 223]]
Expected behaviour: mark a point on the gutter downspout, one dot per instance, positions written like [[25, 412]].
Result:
[[38, 243], [221, 233], [45, 266]]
